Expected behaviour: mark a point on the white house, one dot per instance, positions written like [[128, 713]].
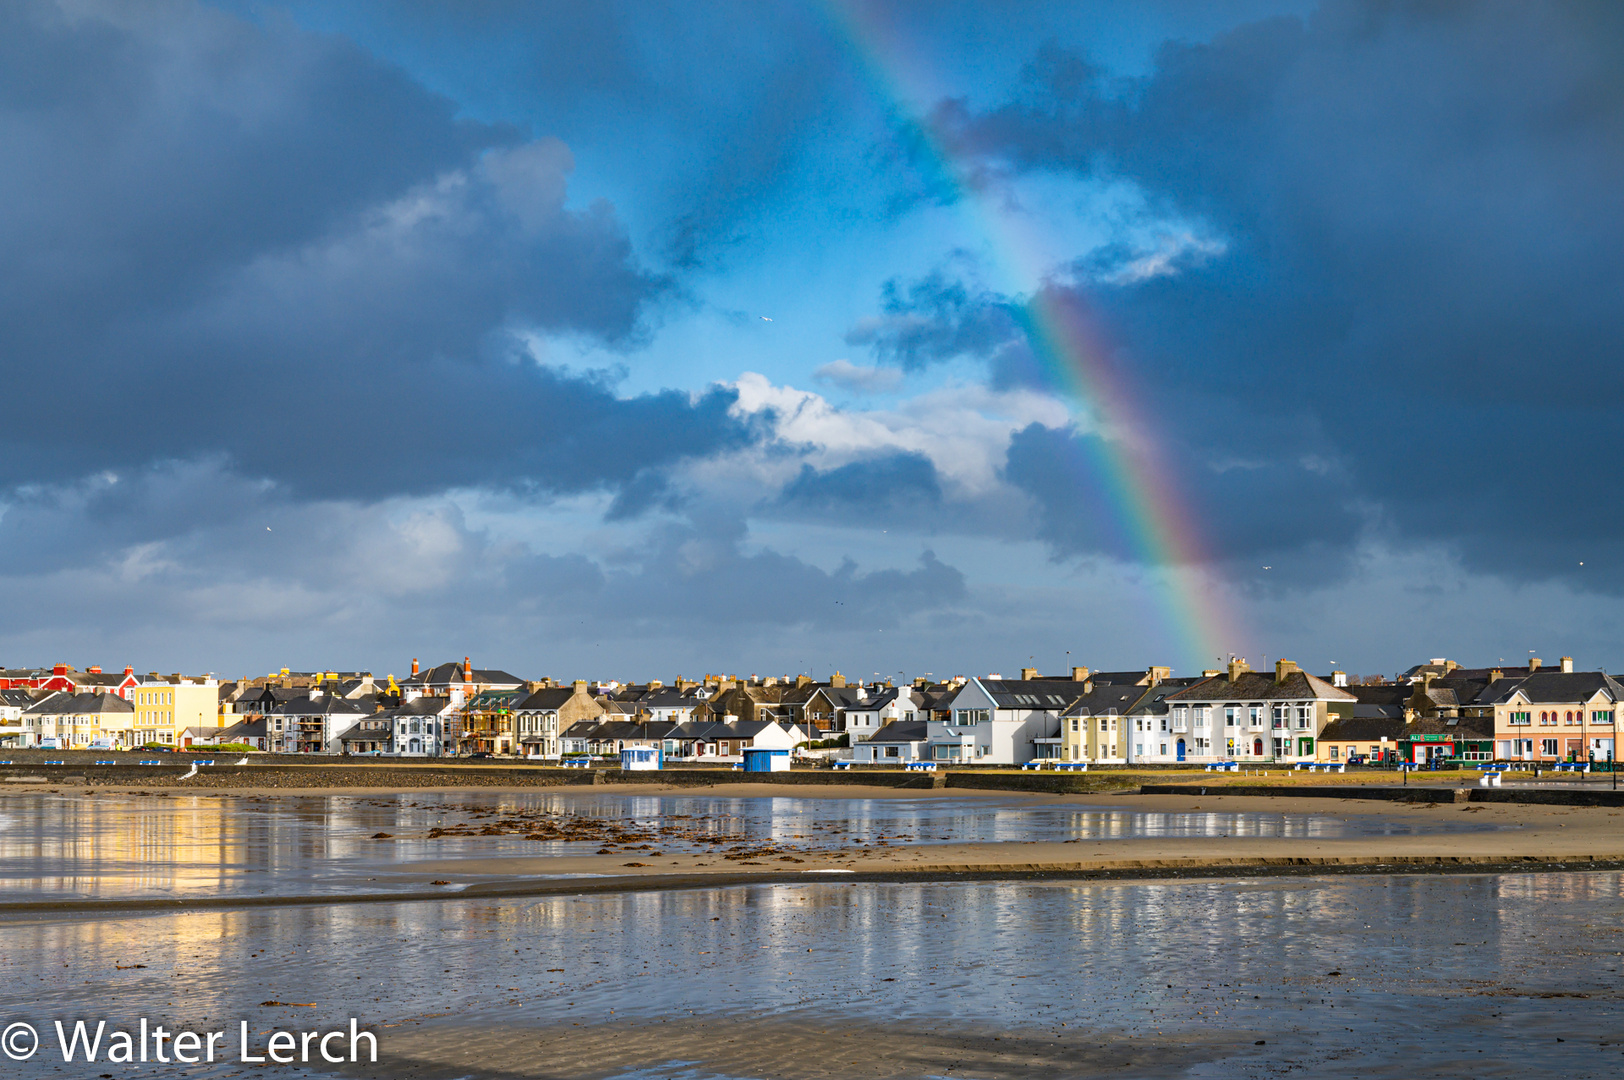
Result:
[[996, 721], [1150, 728], [1250, 716], [898, 742], [873, 710], [13, 732]]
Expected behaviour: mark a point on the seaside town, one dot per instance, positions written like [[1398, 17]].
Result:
[[1437, 713]]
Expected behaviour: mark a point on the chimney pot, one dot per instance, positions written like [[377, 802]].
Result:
[[414, 667], [1283, 669]]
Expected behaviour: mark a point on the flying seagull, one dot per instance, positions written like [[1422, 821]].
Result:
[[763, 318], [1268, 568]]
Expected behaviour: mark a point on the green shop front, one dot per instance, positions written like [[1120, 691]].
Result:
[[1457, 746]]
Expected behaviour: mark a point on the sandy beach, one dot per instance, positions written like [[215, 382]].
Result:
[[823, 1049]]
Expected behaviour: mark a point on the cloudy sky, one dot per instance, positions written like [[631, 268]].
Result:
[[631, 340]]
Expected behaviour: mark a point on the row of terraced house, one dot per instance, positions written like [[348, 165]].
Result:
[[1281, 715]]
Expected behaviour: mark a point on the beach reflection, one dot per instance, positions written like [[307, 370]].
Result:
[[128, 846], [1374, 975]]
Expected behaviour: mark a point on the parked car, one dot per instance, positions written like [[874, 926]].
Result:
[[1358, 759]]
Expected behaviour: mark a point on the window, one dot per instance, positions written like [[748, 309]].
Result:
[[1305, 714], [891, 751], [1569, 718], [1279, 716], [1200, 717], [972, 716], [1254, 715], [1603, 717], [1074, 725], [1203, 746], [1547, 747], [1164, 749], [1520, 717], [1332, 753], [1232, 715], [1179, 717]]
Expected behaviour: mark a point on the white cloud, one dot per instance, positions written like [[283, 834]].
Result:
[[963, 430]]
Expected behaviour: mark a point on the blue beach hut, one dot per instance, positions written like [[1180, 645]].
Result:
[[766, 760]]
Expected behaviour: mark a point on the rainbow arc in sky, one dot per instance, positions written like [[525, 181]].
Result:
[[1147, 504]]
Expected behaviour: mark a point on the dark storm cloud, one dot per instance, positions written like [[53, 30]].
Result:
[[257, 245], [1419, 277], [881, 487], [938, 317], [1290, 516], [702, 572], [714, 106]]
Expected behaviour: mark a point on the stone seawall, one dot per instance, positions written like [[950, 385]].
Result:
[[1402, 793], [80, 769]]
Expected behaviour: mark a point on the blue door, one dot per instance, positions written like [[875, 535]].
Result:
[[1181, 749]]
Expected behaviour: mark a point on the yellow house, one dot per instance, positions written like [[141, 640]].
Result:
[[163, 707], [1094, 728]]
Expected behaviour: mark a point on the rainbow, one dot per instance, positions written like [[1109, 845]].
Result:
[[1068, 345]]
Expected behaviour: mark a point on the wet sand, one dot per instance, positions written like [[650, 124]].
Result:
[[1535, 834], [1506, 837], [817, 1049]]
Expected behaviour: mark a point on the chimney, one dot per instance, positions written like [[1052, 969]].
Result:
[[1029, 673], [414, 667], [803, 680], [1158, 675], [1339, 678], [1283, 669], [1237, 668], [580, 686], [93, 669], [1426, 680], [837, 680], [128, 670], [1078, 674], [1533, 664], [59, 669], [467, 669], [655, 684], [1495, 675], [1567, 665]]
